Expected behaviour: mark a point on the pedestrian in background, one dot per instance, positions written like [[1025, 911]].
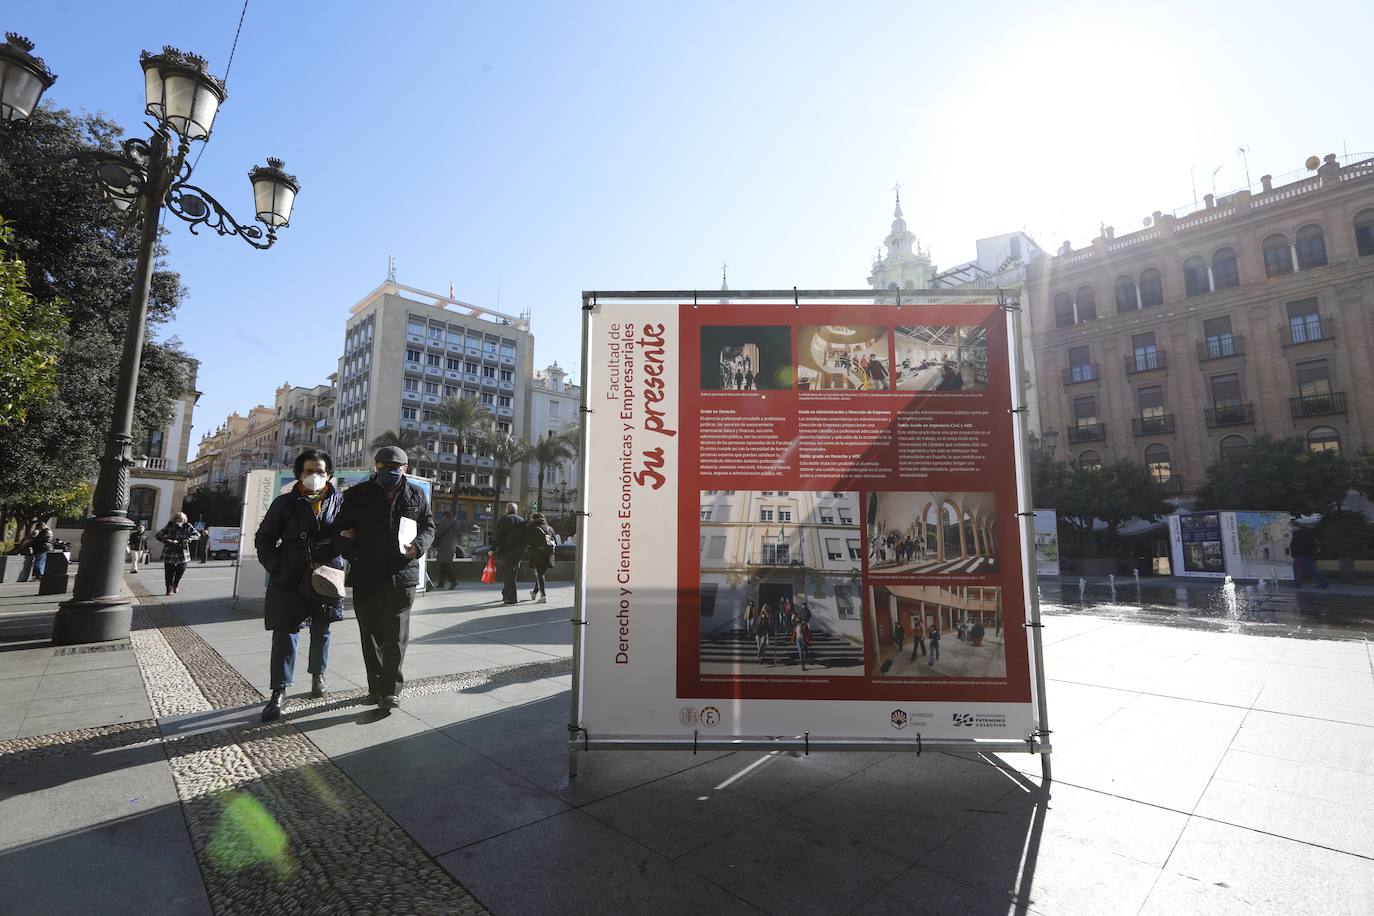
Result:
[[539, 546], [934, 644], [138, 544], [445, 548], [40, 542], [509, 546], [176, 537], [387, 527], [1304, 550], [918, 639], [294, 538], [898, 634]]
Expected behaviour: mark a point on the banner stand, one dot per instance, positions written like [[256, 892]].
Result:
[[580, 738]]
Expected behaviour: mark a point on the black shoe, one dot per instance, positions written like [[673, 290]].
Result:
[[318, 686], [372, 700], [272, 711], [390, 702]]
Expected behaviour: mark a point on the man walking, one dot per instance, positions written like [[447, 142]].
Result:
[[138, 544], [386, 526], [445, 546], [1304, 551], [509, 545], [39, 545]]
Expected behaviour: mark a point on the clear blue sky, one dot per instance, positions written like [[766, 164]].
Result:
[[549, 148]]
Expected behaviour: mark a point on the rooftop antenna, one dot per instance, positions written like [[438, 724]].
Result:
[[391, 268], [1193, 178], [1214, 179], [1244, 153]]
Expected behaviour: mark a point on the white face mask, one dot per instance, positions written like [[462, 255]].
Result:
[[314, 483]]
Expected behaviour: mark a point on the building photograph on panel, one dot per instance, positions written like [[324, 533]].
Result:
[[780, 583], [746, 358], [836, 357], [937, 631], [930, 533], [942, 357]]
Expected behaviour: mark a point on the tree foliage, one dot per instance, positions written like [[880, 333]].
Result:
[[32, 333], [1113, 494], [408, 441], [552, 451], [216, 506], [1279, 475], [76, 255]]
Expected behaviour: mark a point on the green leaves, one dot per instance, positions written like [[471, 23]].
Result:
[[1279, 475], [32, 334]]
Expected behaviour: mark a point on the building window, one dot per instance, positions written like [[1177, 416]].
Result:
[[765, 513], [1151, 288], [1233, 446], [1226, 390], [784, 515], [453, 365], [715, 547], [1323, 439], [142, 506], [410, 384], [1087, 304], [1089, 460], [1220, 342], [845, 517], [450, 391], [408, 413], [1311, 248], [152, 444], [488, 372], [415, 327], [1063, 310], [832, 549], [412, 356], [436, 333], [1314, 379], [1080, 365], [488, 399], [470, 367], [1225, 272], [1278, 257], [507, 375], [705, 513], [1157, 463], [1364, 233], [1151, 403], [775, 551], [503, 428], [1085, 411], [431, 388], [1125, 294], [1144, 351], [827, 517], [1195, 277], [434, 359], [855, 549], [1304, 321]]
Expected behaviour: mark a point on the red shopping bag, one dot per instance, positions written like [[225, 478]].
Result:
[[489, 572]]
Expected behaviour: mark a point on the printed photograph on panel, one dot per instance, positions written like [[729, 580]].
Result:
[[836, 357], [931, 533], [746, 358], [942, 357], [937, 631], [781, 591]]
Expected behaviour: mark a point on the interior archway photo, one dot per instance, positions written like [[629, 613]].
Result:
[[932, 533], [746, 358]]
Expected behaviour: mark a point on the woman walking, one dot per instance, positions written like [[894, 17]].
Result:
[[295, 538], [539, 554], [176, 537]]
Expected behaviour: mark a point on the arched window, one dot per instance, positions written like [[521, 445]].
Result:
[[1090, 460], [1151, 288], [1087, 304], [1225, 273], [1364, 232], [143, 505], [910, 285], [1157, 462], [1125, 295], [1233, 446], [1278, 257], [1063, 310], [1323, 439], [892, 285], [1195, 277], [1311, 248]]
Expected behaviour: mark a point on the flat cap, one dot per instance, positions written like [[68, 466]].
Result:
[[391, 454]]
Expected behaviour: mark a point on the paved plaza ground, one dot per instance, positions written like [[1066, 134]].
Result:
[[1197, 770]]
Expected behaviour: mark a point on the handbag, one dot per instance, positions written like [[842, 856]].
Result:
[[489, 571], [327, 581]]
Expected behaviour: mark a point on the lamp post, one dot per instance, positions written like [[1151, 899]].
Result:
[[140, 180]]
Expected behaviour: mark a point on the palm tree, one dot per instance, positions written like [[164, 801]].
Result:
[[507, 451], [550, 452], [466, 417], [408, 441]]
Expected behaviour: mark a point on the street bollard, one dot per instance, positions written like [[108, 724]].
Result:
[[54, 581]]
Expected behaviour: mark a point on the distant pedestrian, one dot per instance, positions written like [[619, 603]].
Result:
[[509, 546], [1304, 550], [176, 537], [388, 528], [540, 542], [801, 638], [138, 544], [39, 544], [763, 633], [750, 612], [918, 641], [293, 539], [446, 549], [898, 635], [934, 644]]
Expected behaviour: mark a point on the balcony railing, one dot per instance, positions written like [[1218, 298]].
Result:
[[1221, 347], [1087, 432], [1309, 331], [781, 556], [1230, 415], [1318, 405], [1146, 361], [152, 464], [1152, 426], [1087, 372], [1172, 486]]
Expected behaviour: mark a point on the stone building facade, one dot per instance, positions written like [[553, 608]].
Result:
[[1183, 341]]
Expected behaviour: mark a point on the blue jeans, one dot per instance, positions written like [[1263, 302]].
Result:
[[284, 653], [1306, 568], [40, 562], [934, 651]]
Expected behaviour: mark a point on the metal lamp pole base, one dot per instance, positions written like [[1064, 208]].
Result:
[[99, 610]]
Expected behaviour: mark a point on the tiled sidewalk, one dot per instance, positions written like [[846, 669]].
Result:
[[1204, 772]]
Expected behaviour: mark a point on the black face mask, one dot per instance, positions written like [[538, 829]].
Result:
[[389, 478]]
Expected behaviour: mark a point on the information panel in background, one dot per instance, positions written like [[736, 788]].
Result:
[[263, 486], [802, 520]]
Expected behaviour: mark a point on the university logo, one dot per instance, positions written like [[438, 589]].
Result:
[[963, 718], [710, 716], [899, 718], [688, 716]]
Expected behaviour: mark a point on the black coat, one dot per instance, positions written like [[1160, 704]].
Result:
[[374, 557], [289, 539], [509, 540], [537, 549]]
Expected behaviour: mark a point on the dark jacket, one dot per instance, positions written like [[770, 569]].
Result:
[[446, 541], [138, 540], [509, 541], [289, 539], [374, 556], [537, 549], [1304, 543], [41, 542], [176, 539]]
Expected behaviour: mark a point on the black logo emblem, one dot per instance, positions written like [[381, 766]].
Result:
[[899, 718], [963, 718]]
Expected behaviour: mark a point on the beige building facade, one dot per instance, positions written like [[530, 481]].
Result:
[[1183, 341], [159, 478]]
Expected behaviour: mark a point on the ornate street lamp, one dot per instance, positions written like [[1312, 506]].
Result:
[[142, 178]]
